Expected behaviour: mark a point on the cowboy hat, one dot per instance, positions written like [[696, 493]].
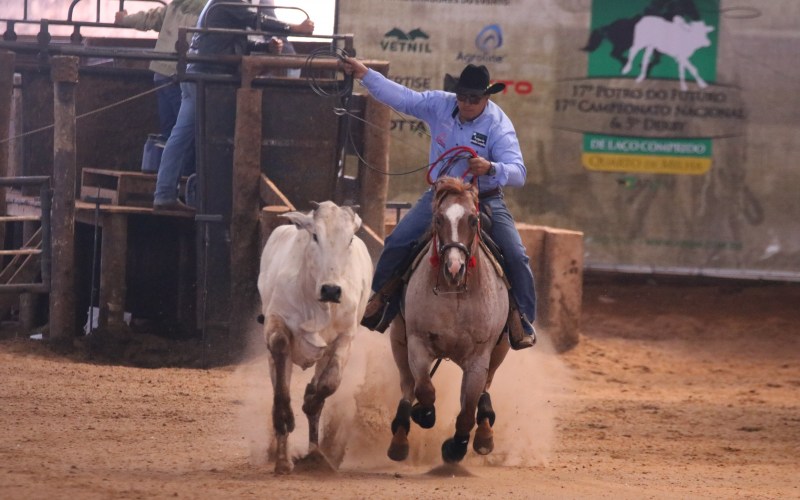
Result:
[[474, 80]]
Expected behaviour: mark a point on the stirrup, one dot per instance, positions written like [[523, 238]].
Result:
[[516, 333]]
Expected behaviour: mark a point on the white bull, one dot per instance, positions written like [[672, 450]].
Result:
[[314, 285], [677, 39]]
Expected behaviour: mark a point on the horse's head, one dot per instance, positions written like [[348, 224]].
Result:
[[455, 227]]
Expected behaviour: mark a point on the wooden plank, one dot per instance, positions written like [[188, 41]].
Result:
[[271, 195], [123, 188], [19, 218], [22, 251]]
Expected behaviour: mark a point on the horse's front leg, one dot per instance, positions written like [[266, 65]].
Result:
[[483, 442], [401, 425], [327, 377], [279, 344], [472, 386], [419, 362]]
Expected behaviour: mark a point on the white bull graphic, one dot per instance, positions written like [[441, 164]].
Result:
[[314, 285], [675, 38]]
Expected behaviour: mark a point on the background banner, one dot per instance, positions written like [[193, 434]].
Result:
[[665, 130]]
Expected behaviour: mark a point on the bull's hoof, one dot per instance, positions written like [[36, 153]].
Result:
[[483, 443], [398, 449], [424, 417], [283, 467], [454, 449], [315, 462]]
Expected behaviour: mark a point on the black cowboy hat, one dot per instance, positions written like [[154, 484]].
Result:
[[474, 80]]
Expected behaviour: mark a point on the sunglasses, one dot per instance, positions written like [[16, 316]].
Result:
[[472, 99]]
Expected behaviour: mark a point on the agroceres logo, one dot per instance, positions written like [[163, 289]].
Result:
[[488, 40]]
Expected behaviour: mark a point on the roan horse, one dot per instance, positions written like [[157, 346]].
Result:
[[456, 305], [314, 284]]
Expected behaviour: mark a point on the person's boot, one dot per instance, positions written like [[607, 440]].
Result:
[[521, 333], [374, 311]]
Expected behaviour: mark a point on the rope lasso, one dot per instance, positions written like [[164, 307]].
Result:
[[451, 156]]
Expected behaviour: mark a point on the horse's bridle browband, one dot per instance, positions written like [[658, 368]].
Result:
[[469, 258]]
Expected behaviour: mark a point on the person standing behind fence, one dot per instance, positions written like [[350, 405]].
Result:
[[288, 47], [232, 15], [166, 20]]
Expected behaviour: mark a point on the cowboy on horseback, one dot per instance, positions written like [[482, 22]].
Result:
[[462, 117]]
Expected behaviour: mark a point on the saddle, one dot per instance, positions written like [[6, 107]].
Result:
[[391, 294]]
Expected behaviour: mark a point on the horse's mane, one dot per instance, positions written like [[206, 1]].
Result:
[[453, 185]]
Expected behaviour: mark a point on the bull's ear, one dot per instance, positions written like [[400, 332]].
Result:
[[299, 219], [356, 222]]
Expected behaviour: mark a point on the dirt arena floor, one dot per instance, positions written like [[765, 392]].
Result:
[[674, 391]]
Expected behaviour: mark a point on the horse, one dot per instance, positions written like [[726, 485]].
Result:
[[456, 307]]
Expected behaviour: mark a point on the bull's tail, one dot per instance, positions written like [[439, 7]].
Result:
[[595, 39]]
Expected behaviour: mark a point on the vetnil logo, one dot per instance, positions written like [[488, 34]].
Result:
[[397, 40]]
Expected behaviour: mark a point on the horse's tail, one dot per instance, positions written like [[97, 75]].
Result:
[[595, 39]]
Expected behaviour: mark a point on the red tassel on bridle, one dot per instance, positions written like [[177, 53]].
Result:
[[434, 259]]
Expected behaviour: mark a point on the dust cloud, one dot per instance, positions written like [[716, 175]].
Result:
[[527, 392]]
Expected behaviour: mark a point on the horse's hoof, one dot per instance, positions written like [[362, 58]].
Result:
[[315, 462], [483, 443], [398, 449], [454, 449], [424, 417]]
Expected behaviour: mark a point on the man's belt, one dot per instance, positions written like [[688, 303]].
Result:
[[490, 193]]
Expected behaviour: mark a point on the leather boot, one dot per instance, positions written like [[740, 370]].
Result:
[[374, 311], [521, 334]]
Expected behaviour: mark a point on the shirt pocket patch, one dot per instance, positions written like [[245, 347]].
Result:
[[478, 139]]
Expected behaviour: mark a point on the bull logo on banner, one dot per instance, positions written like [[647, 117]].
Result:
[[659, 27], [677, 39]]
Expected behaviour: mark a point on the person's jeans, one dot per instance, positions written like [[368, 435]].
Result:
[[179, 147], [412, 227], [169, 103]]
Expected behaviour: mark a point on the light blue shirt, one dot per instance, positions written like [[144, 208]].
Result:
[[491, 134]]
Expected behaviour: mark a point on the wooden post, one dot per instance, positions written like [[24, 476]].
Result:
[[113, 266], [557, 264], [64, 73], [6, 96], [374, 186], [562, 287], [245, 212]]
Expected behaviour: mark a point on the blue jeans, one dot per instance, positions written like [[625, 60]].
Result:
[[179, 147], [412, 227], [169, 103]]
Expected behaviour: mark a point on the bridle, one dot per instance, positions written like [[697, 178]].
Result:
[[440, 249]]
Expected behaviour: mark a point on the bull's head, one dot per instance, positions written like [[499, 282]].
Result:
[[330, 232]]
